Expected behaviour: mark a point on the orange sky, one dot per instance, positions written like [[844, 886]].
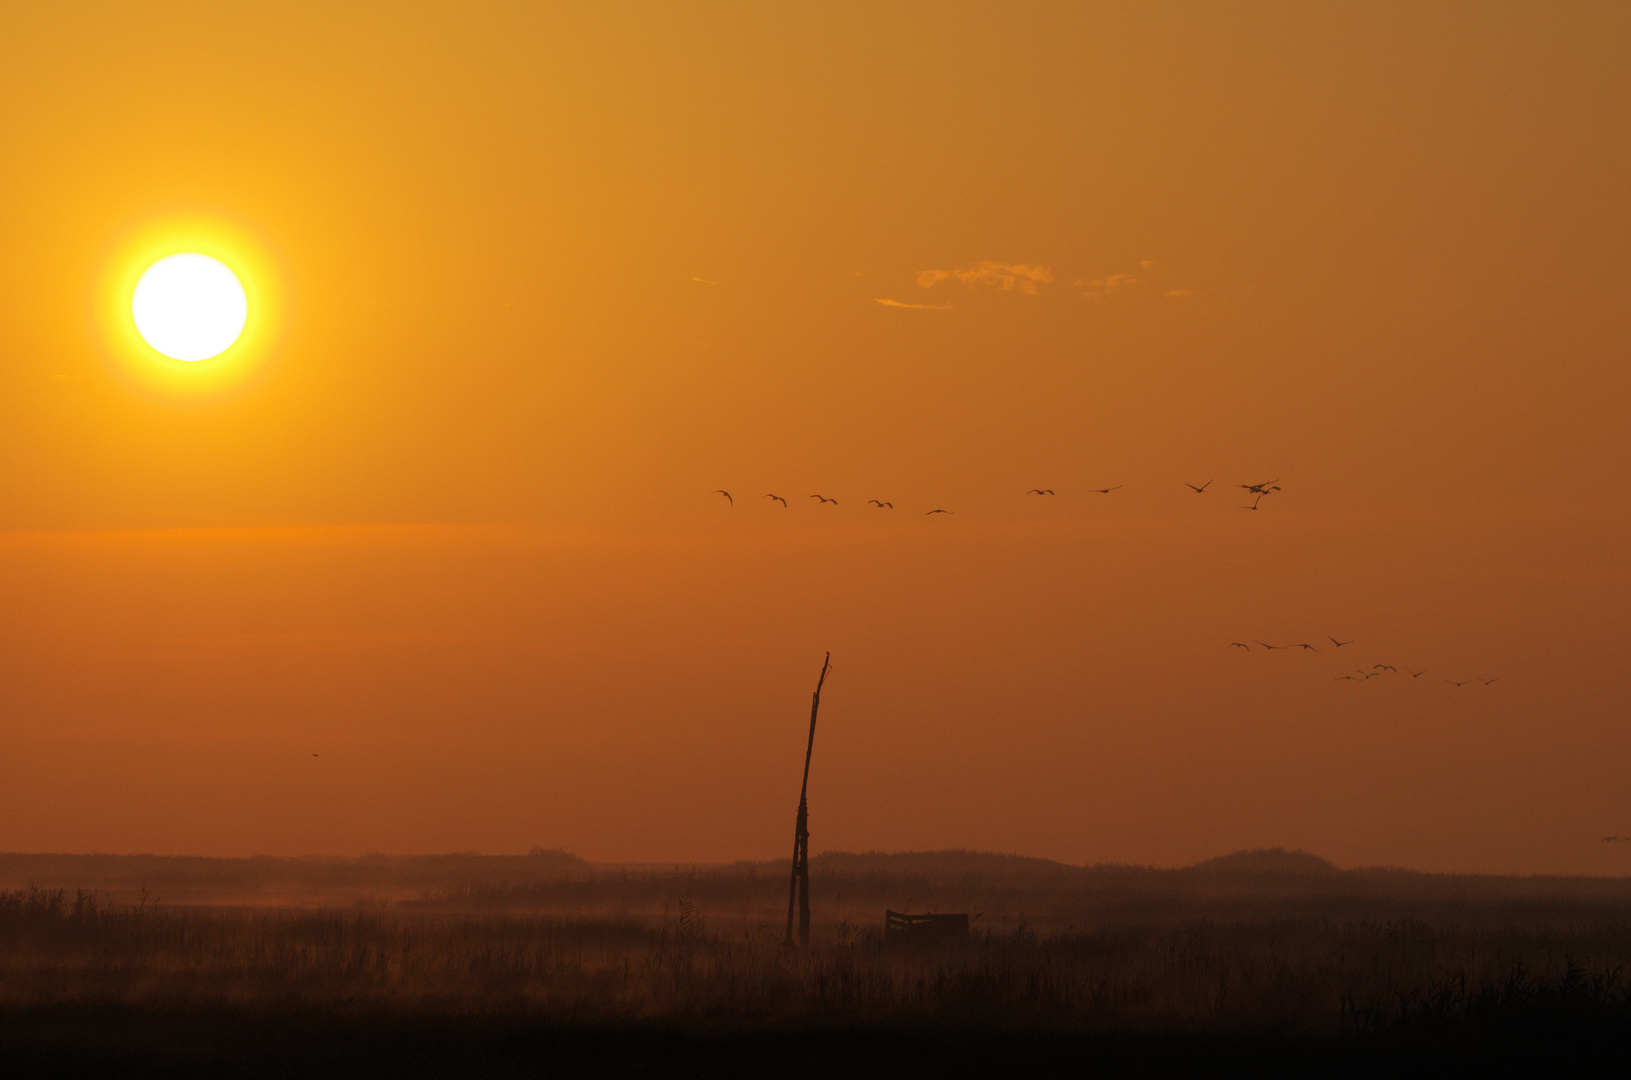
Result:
[[544, 279]]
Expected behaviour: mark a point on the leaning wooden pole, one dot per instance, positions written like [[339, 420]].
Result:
[[798, 889]]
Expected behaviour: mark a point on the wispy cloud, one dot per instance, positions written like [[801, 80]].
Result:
[[704, 281], [1099, 288], [920, 307], [1021, 276]]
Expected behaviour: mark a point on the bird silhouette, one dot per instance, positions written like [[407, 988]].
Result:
[[727, 496], [1388, 667], [1198, 490], [1416, 674], [778, 498], [824, 499], [1040, 491], [1350, 678], [1253, 506], [928, 512], [1266, 645], [1615, 839], [1262, 489], [1106, 491], [1486, 682], [881, 505], [1457, 685], [1339, 644], [1310, 648], [1239, 645]]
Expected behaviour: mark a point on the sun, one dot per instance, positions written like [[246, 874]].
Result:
[[189, 307]]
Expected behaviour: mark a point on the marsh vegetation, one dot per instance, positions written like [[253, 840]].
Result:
[[571, 970]]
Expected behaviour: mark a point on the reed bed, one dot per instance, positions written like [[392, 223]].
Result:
[[1281, 977]]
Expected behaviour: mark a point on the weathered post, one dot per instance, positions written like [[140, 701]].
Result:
[[798, 890]]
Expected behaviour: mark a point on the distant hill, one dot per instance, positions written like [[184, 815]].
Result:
[[258, 878], [1267, 862], [935, 862], [1272, 862]]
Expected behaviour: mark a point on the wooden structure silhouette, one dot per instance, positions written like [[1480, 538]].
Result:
[[798, 890], [902, 929]]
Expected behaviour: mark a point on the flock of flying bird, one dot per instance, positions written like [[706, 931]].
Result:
[[1259, 493], [1268, 487], [1361, 675]]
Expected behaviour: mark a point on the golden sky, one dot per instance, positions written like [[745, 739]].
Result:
[[528, 282]]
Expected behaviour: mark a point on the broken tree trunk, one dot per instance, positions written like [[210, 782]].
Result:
[[798, 889]]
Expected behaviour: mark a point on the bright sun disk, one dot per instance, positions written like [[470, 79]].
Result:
[[189, 307]]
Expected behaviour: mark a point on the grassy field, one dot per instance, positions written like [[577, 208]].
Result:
[[1276, 965]]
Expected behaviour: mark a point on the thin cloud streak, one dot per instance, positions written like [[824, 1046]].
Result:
[[920, 307]]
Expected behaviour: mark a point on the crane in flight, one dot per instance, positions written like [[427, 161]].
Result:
[[1339, 644], [1417, 674], [1310, 648], [1106, 491], [778, 498], [727, 495], [1266, 645], [926, 513], [1198, 490], [1040, 491], [881, 505], [824, 499], [1264, 488], [1458, 685], [1240, 645], [1486, 682]]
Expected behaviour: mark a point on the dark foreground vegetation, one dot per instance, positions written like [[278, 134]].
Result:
[[1271, 967]]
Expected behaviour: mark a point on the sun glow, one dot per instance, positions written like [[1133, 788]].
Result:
[[189, 307]]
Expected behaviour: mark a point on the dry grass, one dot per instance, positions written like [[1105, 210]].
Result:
[[1316, 965], [1277, 976]]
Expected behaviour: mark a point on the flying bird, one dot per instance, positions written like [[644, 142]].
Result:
[[1198, 490], [1106, 491], [1266, 645], [1350, 678], [1264, 488], [727, 496], [1457, 685], [1416, 674], [881, 505], [1339, 644], [1239, 645], [928, 512], [1310, 648], [1615, 839], [778, 498], [1040, 491], [1253, 506], [1486, 682], [824, 499], [1389, 667]]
